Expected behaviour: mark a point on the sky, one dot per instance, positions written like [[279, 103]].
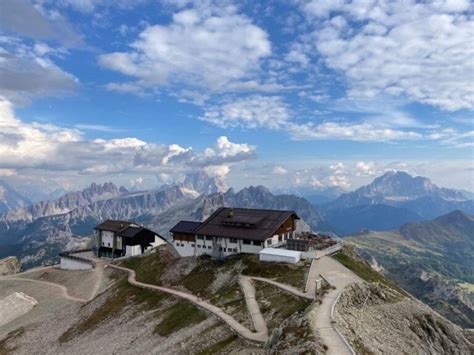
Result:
[[288, 94]]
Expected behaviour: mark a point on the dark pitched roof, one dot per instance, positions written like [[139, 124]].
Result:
[[187, 227], [243, 223], [113, 226], [130, 232]]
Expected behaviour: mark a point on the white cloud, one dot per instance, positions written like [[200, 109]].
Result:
[[339, 181], [89, 6], [422, 50], [379, 124], [225, 150], [249, 112], [279, 170], [211, 48], [39, 146], [27, 72], [365, 169], [96, 127], [359, 132]]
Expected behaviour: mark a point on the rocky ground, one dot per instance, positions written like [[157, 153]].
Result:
[[125, 319], [9, 266], [379, 320]]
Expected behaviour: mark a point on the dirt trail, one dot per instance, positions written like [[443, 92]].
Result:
[[260, 336], [62, 288], [321, 317], [252, 305]]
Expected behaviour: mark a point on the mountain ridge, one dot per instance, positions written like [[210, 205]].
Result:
[[399, 194], [431, 259]]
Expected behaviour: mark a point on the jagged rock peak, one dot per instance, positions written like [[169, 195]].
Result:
[[202, 183]]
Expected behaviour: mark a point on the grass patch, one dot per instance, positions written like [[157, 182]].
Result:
[[277, 305], [218, 347], [232, 300], [148, 268], [365, 272], [124, 295], [294, 275], [179, 316], [202, 276], [4, 348]]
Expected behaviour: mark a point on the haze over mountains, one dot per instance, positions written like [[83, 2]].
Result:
[[10, 198], [392, 200], [36, 232]]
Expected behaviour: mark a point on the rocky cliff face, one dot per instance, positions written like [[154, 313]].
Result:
[[374, 317], [64, 204], [38, 240], [9, 266], [251, 197], [37, 233]]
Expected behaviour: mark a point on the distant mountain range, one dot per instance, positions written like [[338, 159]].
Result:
[[391, 200], [315, 195], [434, 260], [10, 198], [37, 233]]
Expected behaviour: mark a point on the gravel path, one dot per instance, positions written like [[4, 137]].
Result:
[[252, 305], [321, 317], [234, 324]]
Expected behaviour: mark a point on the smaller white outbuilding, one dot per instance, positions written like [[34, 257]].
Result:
[[280, 255]]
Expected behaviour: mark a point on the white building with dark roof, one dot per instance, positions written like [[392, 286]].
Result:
[[117, 239], [234, 230]]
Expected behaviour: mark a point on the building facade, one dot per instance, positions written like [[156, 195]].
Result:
[[116, 239], [234, 230]]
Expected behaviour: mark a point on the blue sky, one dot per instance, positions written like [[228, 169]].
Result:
[[283, 93]]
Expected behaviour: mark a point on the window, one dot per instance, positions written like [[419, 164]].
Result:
[[108, 244], [209, 247], [233, 240], [247, 242], [201, 237], [199, 246], [224, 249], [192, 244], [257, 243], [280, 238], [235, 250], [269, 241]]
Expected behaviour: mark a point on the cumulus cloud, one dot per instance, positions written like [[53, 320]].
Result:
[[27, 71], [48, 147], [279, 170], [211, 47], [422, 50], [365, 169], [23, 18]]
